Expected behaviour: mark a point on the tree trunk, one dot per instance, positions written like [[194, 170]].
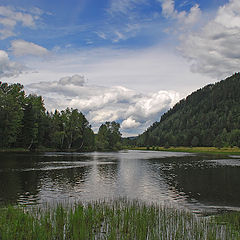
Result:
[[29, 147]]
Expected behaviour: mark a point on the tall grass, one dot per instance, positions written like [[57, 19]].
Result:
[[120, 219]]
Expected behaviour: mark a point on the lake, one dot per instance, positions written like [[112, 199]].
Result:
[[194, 181]]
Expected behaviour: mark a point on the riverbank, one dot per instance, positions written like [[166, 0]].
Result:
[[120, 219], [41, 149], [44, 149], [207, 150], [15, 150]]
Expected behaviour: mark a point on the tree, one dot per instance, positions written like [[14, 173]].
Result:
[[206, 117], [24, 122], [74, 126], [11, 113], [109, 136], [195, 141], [33, 130]]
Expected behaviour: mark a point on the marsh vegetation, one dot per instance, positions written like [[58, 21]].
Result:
[[119, 219]]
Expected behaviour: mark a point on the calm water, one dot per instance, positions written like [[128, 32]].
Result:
[[197, 182]]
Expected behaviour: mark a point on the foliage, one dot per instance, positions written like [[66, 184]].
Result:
[[11, 113], [24, 123], [109, 136], [209, 116]]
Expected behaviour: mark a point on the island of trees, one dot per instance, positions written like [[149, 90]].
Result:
[[208, 117], [25, 123]]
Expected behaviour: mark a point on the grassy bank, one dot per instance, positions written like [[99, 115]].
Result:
[[13, 150], [210, 150], [116, 220], [39, 149]]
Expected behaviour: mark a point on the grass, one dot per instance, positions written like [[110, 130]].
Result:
[[13, 150], [120, 219], [232, 219], [208, 150]]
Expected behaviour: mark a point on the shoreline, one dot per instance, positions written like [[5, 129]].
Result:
[[206, 150]]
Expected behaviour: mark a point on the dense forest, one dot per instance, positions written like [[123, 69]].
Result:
[[25, 123], [209, 116]]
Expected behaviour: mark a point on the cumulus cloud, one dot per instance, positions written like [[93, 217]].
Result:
[[21, 48], [7, 67], [10, 17], [130, 123], [215, 49], [122, 83], [131, 108], [69, 86]]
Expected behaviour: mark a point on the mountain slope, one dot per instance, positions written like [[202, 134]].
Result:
[[209, 116]]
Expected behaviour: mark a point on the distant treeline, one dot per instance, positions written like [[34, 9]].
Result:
[[208, 117], [25, 123]]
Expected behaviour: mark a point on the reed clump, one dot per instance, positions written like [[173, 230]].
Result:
[[117, 219]]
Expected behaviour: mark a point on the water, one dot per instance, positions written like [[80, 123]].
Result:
[[193, 181]]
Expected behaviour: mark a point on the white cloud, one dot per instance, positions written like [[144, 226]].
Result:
[[123, 6], [7, 22], [168, 8], [135, 84], [183, 17], [130, 123], [21, 48], [101, 35], [102, 104], [10, 17], [5, 33], [123, 20], [7, 67], [215, 49]]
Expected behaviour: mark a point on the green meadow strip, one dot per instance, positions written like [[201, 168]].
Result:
[[207, 150], [118, 219]]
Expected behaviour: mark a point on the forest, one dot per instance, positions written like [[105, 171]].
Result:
[[208, 117], [25, 123]]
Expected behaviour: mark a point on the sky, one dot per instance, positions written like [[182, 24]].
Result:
[[118, 60]]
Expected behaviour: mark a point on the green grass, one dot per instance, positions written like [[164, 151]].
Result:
[[13, 150], [120, 219], [231, 219], [208, 150]]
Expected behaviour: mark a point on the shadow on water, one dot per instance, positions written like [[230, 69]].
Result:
[[198, 182]]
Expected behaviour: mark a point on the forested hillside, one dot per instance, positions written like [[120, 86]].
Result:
[[209, 116], [25, 123]]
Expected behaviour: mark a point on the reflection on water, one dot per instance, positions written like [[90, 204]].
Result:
[[197, 182]]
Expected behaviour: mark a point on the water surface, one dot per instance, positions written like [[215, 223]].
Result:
[[194, 181]]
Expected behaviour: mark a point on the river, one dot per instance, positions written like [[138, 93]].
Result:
[[194, 181]]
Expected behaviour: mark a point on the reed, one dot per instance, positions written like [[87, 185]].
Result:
[[117, 219]]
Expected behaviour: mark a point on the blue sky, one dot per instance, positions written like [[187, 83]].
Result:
[[122, 60], [92, 23]]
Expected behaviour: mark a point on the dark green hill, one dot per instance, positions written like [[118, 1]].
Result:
[[209, 116]]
